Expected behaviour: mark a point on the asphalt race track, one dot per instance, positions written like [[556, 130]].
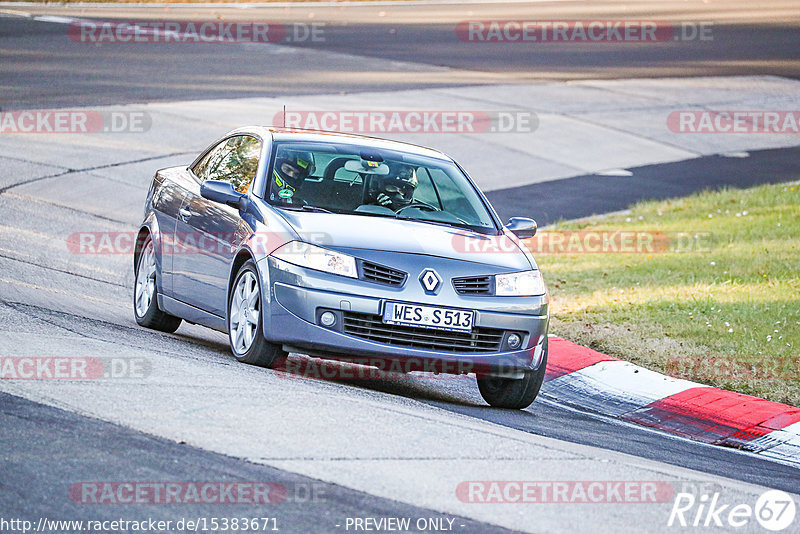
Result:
[[583, 196], [743, 41], [181, 409]]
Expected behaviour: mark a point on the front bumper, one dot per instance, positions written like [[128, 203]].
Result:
[[298, 296]]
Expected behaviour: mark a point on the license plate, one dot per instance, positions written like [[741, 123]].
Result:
[[428, 317]]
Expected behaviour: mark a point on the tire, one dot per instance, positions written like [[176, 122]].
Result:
[[145, 293], [245, 329], [513, 393]]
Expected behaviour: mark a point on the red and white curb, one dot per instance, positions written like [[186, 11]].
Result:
[[584, 377]]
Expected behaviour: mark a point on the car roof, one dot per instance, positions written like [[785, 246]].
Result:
[[293, 134]]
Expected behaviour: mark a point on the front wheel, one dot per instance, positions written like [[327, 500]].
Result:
[[514, 393], [245, 331]]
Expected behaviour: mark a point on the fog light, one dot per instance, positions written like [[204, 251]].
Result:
[[514, 340], [327, 318]]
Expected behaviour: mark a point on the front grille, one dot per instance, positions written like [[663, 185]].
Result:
[[371, 327], [381, 274], [473, 285]]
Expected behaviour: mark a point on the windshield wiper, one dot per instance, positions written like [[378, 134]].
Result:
[[434, 221], [463, 225], [304, 207]]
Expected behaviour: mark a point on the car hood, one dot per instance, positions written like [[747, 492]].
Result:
[[339, 231]]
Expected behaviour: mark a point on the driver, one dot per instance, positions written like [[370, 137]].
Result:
[[396, 190], [291, 169]]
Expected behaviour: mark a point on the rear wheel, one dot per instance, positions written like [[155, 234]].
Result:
[[245, 331], [145, 293], [514, 393]]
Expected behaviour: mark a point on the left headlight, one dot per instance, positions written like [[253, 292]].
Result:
[[522, 284], [317, 258]]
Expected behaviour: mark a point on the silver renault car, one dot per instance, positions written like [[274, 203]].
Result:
[[347, 248]]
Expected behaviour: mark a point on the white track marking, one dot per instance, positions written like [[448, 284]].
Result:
[[616, 387]]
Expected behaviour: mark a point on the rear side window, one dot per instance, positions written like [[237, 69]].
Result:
[[234, 160]]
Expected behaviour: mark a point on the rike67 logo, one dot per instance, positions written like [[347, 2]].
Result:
[[774, 510]]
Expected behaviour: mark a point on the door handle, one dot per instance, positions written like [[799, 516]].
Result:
[[184, 213]]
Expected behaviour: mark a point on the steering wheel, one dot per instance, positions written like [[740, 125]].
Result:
[[420, 205]]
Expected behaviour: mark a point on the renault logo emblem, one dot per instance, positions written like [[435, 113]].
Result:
[[430, 281]]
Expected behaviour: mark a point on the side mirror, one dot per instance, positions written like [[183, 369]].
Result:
[[222, 192], [522, 227]]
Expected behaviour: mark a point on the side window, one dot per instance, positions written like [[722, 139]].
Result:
[[234, 160]]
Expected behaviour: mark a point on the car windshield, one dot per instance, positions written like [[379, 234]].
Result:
[[362, 180]]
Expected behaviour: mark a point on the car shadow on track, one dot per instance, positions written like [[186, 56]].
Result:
[[423, 386], [457, 393]]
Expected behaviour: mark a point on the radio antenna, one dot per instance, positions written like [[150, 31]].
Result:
[[284, 115]]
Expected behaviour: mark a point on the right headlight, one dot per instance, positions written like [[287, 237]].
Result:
[[318, 258], [521, 284]]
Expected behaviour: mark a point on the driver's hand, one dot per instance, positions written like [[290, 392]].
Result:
[[383, 199]]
